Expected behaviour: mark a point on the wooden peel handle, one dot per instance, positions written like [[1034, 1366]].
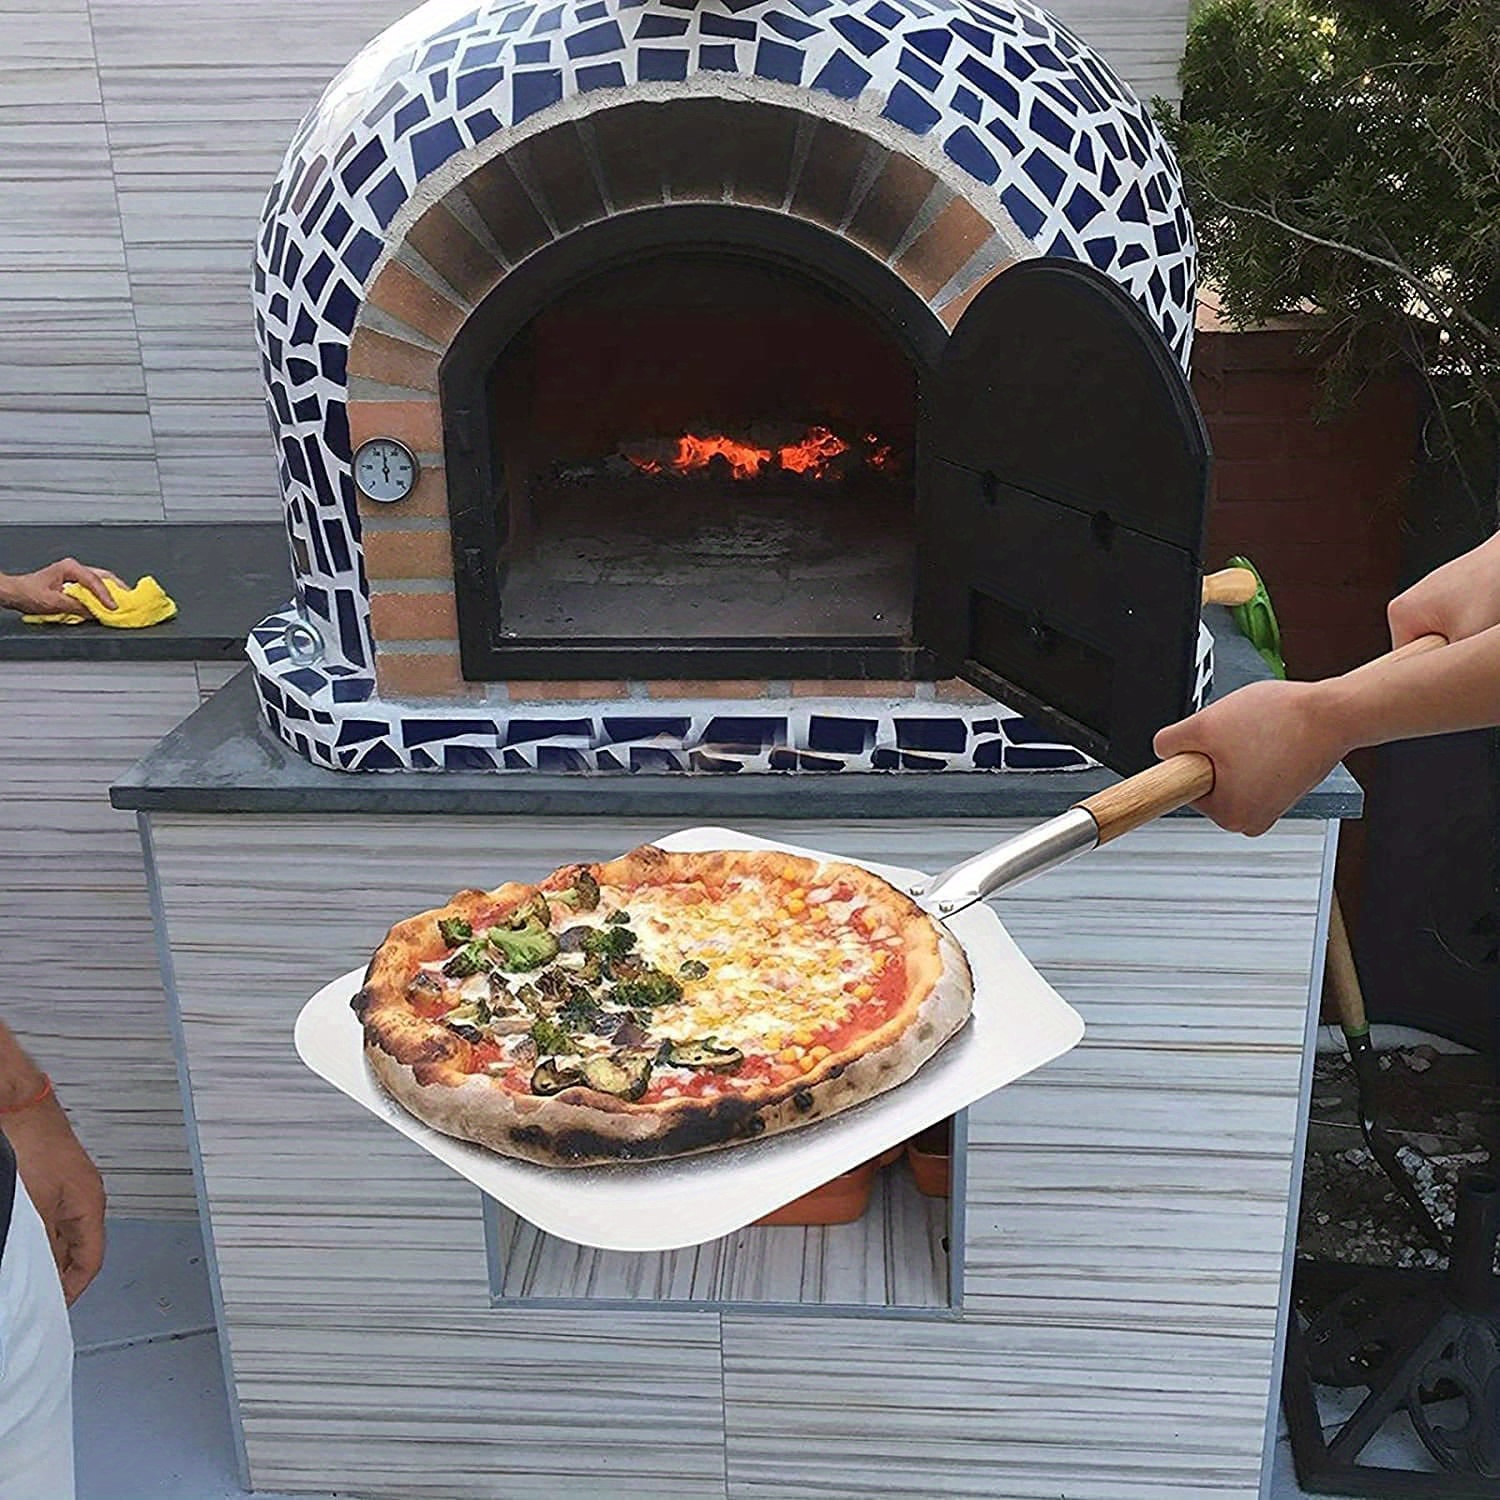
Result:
[[1152, 793], [1229, 586], [1341, 978], [1173, 783]]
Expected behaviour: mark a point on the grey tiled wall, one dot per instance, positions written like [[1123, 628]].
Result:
[[137, 140], [1124, 1243]]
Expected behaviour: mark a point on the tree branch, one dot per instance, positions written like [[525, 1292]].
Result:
[[1447, 312]]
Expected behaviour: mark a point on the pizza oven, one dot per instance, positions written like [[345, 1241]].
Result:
[[703, 386], [693, 461]]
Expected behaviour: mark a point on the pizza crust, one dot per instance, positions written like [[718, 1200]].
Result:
[[420, 1063]]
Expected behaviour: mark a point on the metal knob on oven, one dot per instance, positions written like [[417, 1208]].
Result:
[[303, 643]]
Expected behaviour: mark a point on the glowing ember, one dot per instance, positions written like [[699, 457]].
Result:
[[813, 454], [745, 460], [809, 457]]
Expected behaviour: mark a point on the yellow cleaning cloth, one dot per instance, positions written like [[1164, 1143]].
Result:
[[148, 603]]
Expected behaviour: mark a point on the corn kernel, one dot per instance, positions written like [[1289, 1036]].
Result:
[[803, 1038], [863, 991], [788, 1054], [796, 907], [818, 1053], [808, 1063]]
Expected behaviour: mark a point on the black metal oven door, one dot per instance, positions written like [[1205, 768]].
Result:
[[1062, 482]]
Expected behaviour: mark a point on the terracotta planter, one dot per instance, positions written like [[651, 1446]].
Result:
[[931, 1157], [840, 1201]]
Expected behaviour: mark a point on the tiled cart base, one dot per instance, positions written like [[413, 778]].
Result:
[[1124, 1245], [328, 712]]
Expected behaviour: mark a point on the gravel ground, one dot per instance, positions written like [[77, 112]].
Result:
[[1443, 1113]]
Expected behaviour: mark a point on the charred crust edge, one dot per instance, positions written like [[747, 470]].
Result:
[[728, 1120]]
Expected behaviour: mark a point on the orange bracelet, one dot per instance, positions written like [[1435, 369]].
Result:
[[32, 1102]]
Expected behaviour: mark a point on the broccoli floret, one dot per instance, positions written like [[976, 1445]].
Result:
[[550, 1038], [579, 1011], [469, 959], [583, 894], [523, 948], [618, 918], [533, 909], [454, 930], [609, 942], [632, 966], [651, 989]]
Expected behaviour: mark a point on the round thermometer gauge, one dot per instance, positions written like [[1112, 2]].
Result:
[[385, 470]]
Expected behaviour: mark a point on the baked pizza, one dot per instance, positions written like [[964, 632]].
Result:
[[659, 1004]]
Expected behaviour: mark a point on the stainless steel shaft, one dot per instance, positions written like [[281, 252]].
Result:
[[1031, 853]]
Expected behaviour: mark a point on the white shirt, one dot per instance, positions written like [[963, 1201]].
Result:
[[36, 1365]]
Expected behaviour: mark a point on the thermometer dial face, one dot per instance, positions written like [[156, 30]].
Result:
[[385, 470]]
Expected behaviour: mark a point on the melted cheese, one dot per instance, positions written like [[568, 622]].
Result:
[[774, 972], [783, 967]]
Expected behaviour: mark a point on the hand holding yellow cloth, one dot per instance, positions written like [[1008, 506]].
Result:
[[148, 603]]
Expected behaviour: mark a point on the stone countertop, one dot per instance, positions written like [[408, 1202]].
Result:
[[225, 578], [223, 759]]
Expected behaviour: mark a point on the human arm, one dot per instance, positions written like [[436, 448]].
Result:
[[41, 592], [1455, 601], [60, 1179], [1272, 742]]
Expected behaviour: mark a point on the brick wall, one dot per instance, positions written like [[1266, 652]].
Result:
[[1318, 506]]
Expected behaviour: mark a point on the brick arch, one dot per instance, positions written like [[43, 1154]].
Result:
[[571, 176]]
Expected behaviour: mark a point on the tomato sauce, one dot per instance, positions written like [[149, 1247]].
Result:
[[431, 1007], [482, 1054], [870, 1014], [759, 1068], [891, 986], [494, 916]]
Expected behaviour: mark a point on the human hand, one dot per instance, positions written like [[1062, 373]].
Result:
[[1270, 743], [41, 593], [66, 1188], [1455, 601]]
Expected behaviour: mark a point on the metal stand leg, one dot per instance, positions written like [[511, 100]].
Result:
[[1423, 1343]]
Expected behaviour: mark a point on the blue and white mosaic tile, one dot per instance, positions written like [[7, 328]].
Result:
[[996, 95], [331, 717]]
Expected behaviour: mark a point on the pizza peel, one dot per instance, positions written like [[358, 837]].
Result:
[[1018, 1023]]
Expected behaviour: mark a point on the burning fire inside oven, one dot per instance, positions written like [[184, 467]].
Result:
[[820, 453]]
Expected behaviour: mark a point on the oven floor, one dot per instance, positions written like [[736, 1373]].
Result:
[[690, 563]]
